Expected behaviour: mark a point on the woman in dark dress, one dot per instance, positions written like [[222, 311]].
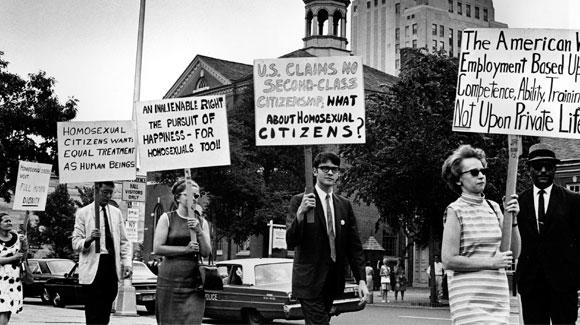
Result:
[[179, 297]]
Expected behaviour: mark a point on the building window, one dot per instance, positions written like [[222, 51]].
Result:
[[397, 48], [407, 43], [390, 245], [485, 18], [442, 45], [383, 2], [458, 40], [201, 84], [468, 10], [574, 187], [397, 8], [397, 34], [459, 8], [441, 31], [354, 8], [434, 45], [434, 30], [368, 4], [397, 64], [376, 3], [414, 43], [451, 42], [476, 12], [450, 5], [414, 29], [406, 31]]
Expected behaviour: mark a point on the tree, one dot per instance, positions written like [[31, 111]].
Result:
[[409, 135], [29, 110]]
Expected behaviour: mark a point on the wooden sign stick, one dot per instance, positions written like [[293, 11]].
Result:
[[97, 196], [190, 208], [308, 177], [514, 150]]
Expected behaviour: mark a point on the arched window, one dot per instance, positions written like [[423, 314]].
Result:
[[201, 83], [309, 17], [336, 23], [322, 21]]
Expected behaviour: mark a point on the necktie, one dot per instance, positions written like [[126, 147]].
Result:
[[108, 237], [330, 229], [541, 212]]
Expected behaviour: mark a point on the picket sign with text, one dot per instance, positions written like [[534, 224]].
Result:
[[309, 101], [31, 186], [95, 151], [178, 133], [520, 82]]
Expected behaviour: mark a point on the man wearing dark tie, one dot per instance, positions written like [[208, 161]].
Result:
[[99, 272], [548, 270], [324, 244]]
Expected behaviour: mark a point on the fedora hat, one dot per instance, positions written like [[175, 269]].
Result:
[[542, 151]]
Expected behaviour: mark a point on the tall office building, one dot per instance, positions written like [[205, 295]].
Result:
[[380, 28]]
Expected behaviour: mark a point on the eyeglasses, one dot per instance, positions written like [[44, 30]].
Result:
[[475, 172], [326, 169], [195, 195], [541, 164]]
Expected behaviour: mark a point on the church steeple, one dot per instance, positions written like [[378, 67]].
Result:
[[325, 27]]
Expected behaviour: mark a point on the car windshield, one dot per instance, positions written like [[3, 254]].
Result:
[[273, 273], [60, 267]]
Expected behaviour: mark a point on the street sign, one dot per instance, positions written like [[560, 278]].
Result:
[[135, 190]]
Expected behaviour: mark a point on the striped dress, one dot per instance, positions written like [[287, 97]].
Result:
[[478, 297]]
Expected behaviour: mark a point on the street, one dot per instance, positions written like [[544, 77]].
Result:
[[37, 313]]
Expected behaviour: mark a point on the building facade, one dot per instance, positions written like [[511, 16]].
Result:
[[380, 28]]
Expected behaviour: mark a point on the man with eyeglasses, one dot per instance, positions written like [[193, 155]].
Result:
[[99, 273], [548, 271], [323, 245]]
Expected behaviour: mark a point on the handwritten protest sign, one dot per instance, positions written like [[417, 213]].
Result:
[[31, 186], [308, 101], [135, 190], [96, 151], [132, 224], [520, 82], [185, 132]]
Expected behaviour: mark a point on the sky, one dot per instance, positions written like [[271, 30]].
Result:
[[89, 46]]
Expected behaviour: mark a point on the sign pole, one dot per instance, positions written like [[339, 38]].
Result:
[[308, 176], [514, 150], [97, 196], [190, 208]]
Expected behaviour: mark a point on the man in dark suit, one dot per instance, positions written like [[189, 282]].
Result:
[[548, 271], [323, 245]]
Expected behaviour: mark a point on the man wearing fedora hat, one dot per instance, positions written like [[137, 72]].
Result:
[[548, 271]]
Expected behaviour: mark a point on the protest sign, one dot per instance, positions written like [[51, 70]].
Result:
[[135, 190], [131, 224], [31, 186], [185, 132], [95, 151], [309, 101], [520, 82]]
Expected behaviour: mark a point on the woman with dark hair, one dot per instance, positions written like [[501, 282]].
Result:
[[478, 287], [179, 297], [11, 256]]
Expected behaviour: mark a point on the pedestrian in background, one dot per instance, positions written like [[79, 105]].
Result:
[[439, 272], [179, 297], [478, 287], [12, 252], [325, 244], [370, 283], [385, 280], [100, 273], [400, 282], [548, 271]]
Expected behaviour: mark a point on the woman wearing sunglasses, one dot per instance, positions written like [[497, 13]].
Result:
[[179, 299], [477, 282]]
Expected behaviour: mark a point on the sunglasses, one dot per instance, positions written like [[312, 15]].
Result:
[[326, 169], [475, 172], [195, 195], [547, 165]]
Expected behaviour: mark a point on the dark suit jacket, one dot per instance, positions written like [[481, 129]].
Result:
[[312, 252], [556, 253]]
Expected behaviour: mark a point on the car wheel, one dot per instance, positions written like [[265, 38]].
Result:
[[57, 300], [150, 306], [45, 296], [253, 317]]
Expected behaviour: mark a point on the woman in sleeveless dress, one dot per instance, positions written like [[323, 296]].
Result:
[[478, 287], [10, 259], [179, 297]]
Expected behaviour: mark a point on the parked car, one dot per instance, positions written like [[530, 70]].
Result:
[[67, 290], [258, 290], [44, 269]]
